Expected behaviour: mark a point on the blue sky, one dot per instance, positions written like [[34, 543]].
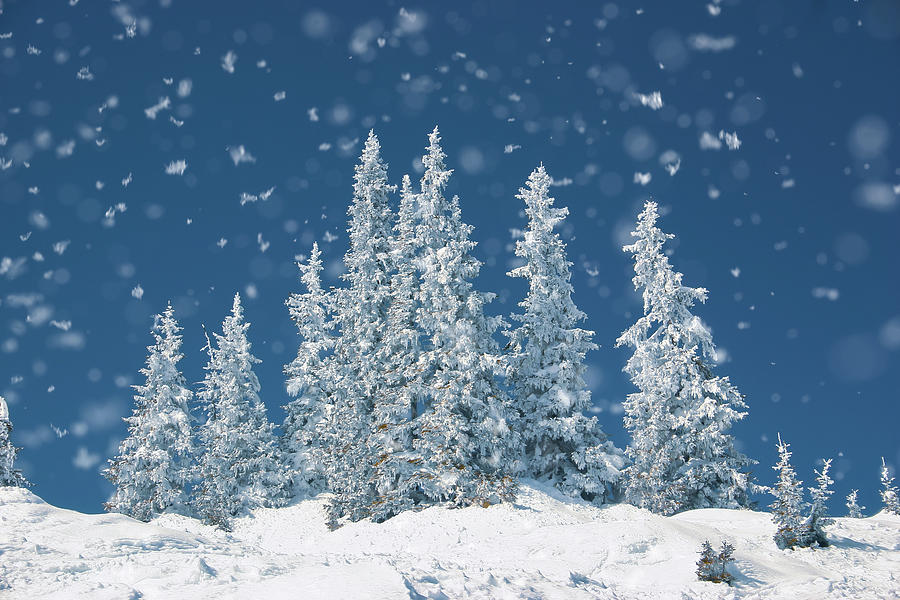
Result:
[[794, 232]]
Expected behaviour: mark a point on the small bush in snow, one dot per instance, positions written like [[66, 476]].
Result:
[[889, 497], [9, 475], [714, 567], [854, 510]]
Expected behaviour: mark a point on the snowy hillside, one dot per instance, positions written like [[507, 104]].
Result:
[[540, 547]]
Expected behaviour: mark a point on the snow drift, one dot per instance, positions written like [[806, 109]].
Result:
[[542, 546]]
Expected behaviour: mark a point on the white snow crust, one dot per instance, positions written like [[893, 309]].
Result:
[[542, 546]]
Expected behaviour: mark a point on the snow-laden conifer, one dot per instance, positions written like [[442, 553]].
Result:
[[788, 507], [307, 423], [707, 565], [361, 312], [713, 567], [813, 529], [395, 410], [683, 454], [239, 464], [890, 499], [153, 468], [545, 367], [854, 510], [467, 447], [9, 475]]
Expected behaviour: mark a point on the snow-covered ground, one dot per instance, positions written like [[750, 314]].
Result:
[[539, 547]]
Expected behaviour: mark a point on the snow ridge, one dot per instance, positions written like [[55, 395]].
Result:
[[542, 546]]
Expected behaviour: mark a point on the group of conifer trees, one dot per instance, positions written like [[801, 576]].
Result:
[[801, 524], [402, 398]]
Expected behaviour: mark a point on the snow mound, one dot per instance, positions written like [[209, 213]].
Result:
[[542, 546]]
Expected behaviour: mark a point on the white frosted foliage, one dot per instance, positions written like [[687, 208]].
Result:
[[9, 475], [683, 456], [306, 425], [465, 439], [153, 468], [890, 499], [545, 368], [361, 313], [788, 507], [239, 464], [394, 414]]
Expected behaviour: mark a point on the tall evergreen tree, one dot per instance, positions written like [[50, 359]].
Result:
[[395, 410], [153, 467], [239, 466], [467, 447], [787, 509], [683, 456], [306, 426], [545, 369], [362, 313], [813, 530], [890, 499], [9, 475]]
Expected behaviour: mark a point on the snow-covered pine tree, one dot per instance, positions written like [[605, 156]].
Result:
[[683, 456], [361, 312], [545, 367], [707, 566], [714, 567], [725, 558], [813, 529], [890, 499], [306, 426], [854, 510], [395, 411], [239, 466], [465, 441], [788, 507], [153, 468], [9, 475]]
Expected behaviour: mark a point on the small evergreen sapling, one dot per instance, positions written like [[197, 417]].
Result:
[[9, 475], [890, 499], [788, 505], [706, 566], [854, 510], [726, 557], [813, 531], [713, 566]]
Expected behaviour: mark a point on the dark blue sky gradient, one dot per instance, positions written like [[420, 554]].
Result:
[[806, 208]]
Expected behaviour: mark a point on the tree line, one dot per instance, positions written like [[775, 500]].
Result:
[[402, 398]]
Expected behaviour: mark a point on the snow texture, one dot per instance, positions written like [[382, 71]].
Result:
[[543, 546]]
